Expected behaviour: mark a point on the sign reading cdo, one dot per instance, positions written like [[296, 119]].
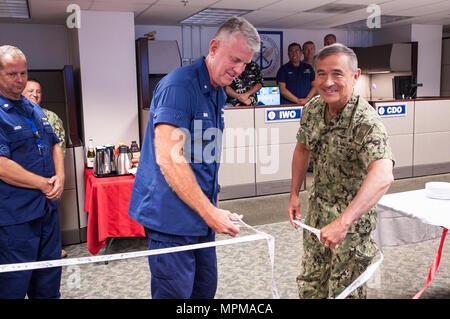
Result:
[[283, 114], [391, 110]]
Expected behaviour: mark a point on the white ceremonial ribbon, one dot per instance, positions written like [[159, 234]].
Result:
[[271, 245], [103, 258], [315, 231], [365, 276]]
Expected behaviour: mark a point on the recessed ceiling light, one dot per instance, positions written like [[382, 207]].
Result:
[[213, 16], [14, 9]]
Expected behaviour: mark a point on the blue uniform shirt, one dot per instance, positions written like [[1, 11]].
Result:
[[298, 79], [185, 99], [20, 205]]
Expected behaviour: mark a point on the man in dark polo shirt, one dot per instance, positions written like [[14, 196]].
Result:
[[295, 78], [175, 192]]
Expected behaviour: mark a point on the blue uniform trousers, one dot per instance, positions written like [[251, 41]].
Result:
[[37, 240], [188, 274]]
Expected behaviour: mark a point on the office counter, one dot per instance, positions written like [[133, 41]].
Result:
[[258, 143], [419, 136], [398, 118]]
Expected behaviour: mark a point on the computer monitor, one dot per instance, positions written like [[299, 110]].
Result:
[[268, 95], [403, 87]]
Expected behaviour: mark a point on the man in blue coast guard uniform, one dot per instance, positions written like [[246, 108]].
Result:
[[175, 191], [31, 182]]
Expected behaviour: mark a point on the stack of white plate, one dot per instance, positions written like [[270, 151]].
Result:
[[437, 190]]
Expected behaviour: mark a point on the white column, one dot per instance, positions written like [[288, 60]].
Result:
[[107, 63], [429, 38]]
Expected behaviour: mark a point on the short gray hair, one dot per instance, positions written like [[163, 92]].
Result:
[[237, 24], [11, 51], [339, 48]]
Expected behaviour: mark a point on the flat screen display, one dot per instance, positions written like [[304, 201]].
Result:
[[403, 88], [268, 95]]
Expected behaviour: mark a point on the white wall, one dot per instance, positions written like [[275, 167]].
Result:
[[392, 35], [45, 46], [429, 38], [194, 41], [106, 42]]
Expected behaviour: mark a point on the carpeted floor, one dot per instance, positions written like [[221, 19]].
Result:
[[245, 270]]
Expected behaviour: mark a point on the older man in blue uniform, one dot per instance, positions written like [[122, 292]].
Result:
[[176, 187], [31, 182]]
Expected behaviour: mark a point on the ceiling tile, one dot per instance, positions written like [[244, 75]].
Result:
[[54, 11], [262, 16], [443, 9], [240, 4], [363, 2], [120, 6], [189, 3], [165, 15], [398, 5], [297, 5]]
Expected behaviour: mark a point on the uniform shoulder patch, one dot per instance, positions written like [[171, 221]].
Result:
[[361, 132]]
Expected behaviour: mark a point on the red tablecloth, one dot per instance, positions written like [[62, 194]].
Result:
[[106, 202]]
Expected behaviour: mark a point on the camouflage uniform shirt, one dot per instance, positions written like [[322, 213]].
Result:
[[243, 83], [341, 152], [58, 128]]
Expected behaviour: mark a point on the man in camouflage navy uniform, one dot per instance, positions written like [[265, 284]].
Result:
[[242, 91], [353, 164], [33, 92]]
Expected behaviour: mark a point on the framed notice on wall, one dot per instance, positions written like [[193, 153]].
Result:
[[270, 56]]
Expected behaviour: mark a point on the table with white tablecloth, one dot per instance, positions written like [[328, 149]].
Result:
[[430, 212], [410, 217]]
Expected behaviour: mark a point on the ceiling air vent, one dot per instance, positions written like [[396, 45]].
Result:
[[213, 16], [337, 8], [14, 9]]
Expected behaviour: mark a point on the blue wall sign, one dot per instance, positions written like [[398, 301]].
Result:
[[391, 110], [283, 114]]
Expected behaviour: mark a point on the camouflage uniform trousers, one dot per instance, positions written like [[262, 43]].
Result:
[[326, 272]]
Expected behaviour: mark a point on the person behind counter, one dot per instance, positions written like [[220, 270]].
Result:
[[353, 165], [175, 191], [295, 78], [329, 39], [242, 91], [32, 181], [33, 92], [309, 53]]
